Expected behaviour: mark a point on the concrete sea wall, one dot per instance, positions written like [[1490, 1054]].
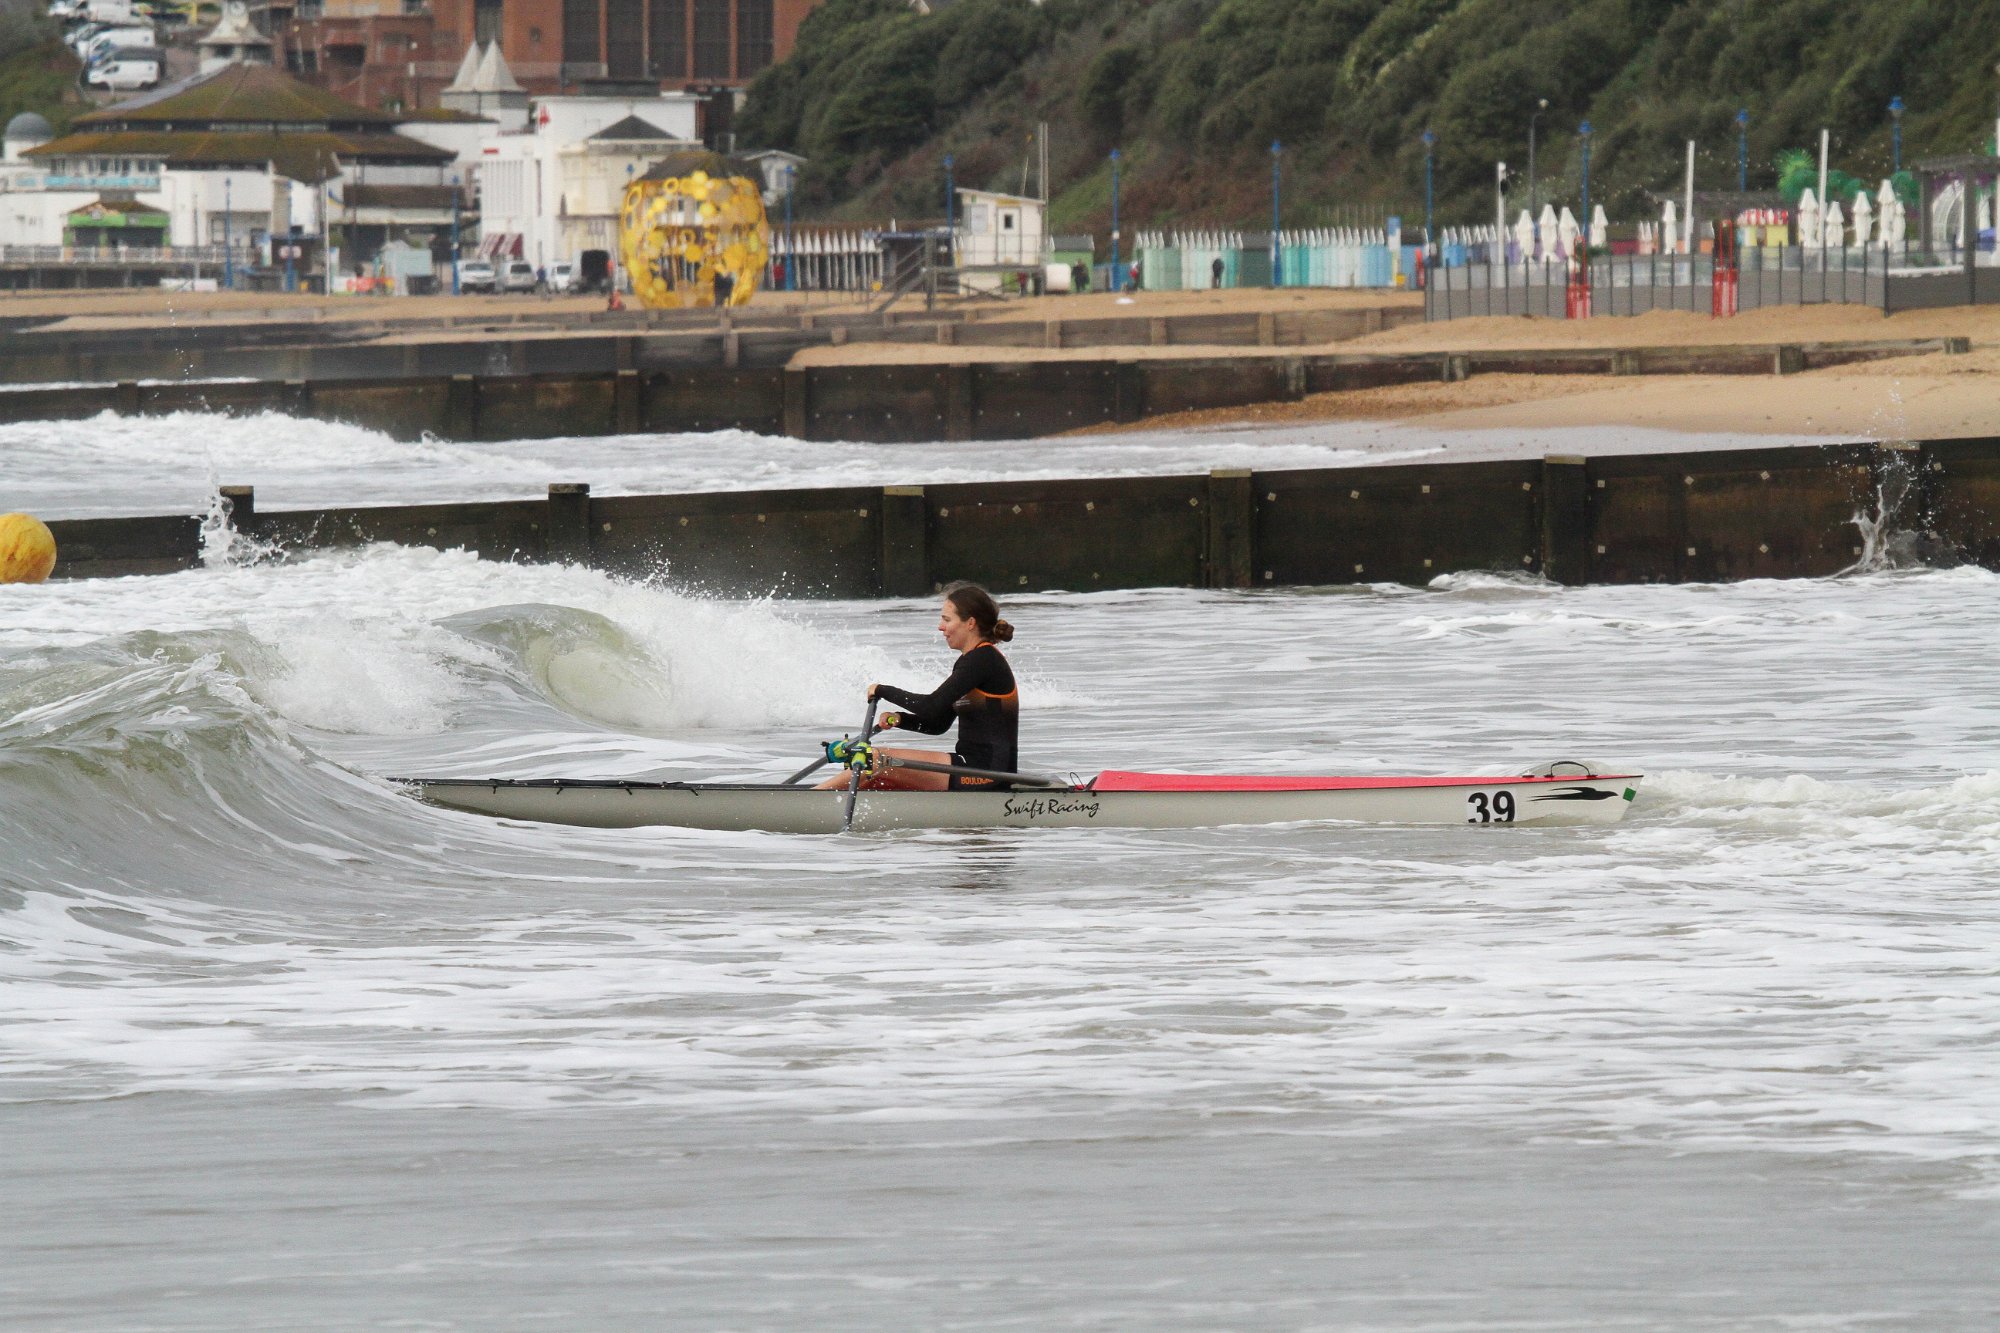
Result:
[[1706, 516]]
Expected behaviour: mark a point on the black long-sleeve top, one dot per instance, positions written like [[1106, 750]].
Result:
[[981, 697]]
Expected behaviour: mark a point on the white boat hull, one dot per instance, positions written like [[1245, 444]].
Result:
[[780, 809]]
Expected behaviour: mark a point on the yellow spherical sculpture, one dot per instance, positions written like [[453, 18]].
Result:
[[688, 222], [27, 549]]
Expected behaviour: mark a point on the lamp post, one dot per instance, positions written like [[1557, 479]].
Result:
[[454, 236], [1430, 153], [228, 255], [1277, 260], [950, 197], [1743, 150], [1583, 132], [791, 248], [1115, 284], [1534, 203], [1895, 135]]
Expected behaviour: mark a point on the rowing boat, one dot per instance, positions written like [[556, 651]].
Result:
[[1560, 793]]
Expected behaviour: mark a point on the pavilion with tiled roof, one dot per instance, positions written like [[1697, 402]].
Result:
[[247, 155], [243, 116]]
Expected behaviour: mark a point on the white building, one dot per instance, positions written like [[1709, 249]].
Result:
[[773, 164], [999, 230], [235, 156], [234, 41], [556, 190]]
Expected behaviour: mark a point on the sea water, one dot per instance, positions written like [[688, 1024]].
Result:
[[280, 1047]]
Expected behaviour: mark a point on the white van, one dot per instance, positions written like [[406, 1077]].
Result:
[[124, 71], [118, 39]]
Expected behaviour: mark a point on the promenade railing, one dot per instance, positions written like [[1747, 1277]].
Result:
[[1887, 278]]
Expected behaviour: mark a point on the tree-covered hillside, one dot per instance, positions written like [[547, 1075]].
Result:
[[37, 72], [1194, 91]]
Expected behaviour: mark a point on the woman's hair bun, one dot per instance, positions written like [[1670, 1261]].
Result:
[[1002, 631]]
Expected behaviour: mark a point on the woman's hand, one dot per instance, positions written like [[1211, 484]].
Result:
[[872, 689]]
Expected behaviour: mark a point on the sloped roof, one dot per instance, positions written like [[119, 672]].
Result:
[[123, 207], [493, 75], [468, 67], [234, 93], [695, 159], [235, 29], [309, 157], [633, 129]]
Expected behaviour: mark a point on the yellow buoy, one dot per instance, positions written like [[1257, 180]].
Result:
[[27, 549]]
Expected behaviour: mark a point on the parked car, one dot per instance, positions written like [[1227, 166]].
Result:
[[561, 275], [114, 39], [123, 34], [518, 276], [476, 275], [124, 71]]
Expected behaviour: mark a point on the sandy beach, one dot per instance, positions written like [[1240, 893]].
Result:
[[1916, 397], [1909, 397]]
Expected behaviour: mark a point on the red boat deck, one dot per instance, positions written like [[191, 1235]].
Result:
[[1115, 780]]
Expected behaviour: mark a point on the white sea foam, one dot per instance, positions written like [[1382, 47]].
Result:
[[170, 464], [1780, 964], [1783, 948]]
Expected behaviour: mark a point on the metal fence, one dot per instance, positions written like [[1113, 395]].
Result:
[[149, 256], [1765, 276]]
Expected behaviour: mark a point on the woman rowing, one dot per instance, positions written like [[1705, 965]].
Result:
[[979, 695]]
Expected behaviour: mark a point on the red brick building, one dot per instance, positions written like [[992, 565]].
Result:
[[370, 52], [397, 54]]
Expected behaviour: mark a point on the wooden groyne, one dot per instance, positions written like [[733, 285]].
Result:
[[904, 403], [526, 341], [1702, 516]]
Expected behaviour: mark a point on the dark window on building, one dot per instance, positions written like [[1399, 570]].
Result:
[[486, 21], [753, 36], [711, 39], [580, 38], [625, 38], [669, 33]]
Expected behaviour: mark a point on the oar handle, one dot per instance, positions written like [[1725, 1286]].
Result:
[[854, 782], [821, 762]]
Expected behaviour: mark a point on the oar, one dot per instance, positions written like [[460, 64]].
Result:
[[821, 762], [854, 782]]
